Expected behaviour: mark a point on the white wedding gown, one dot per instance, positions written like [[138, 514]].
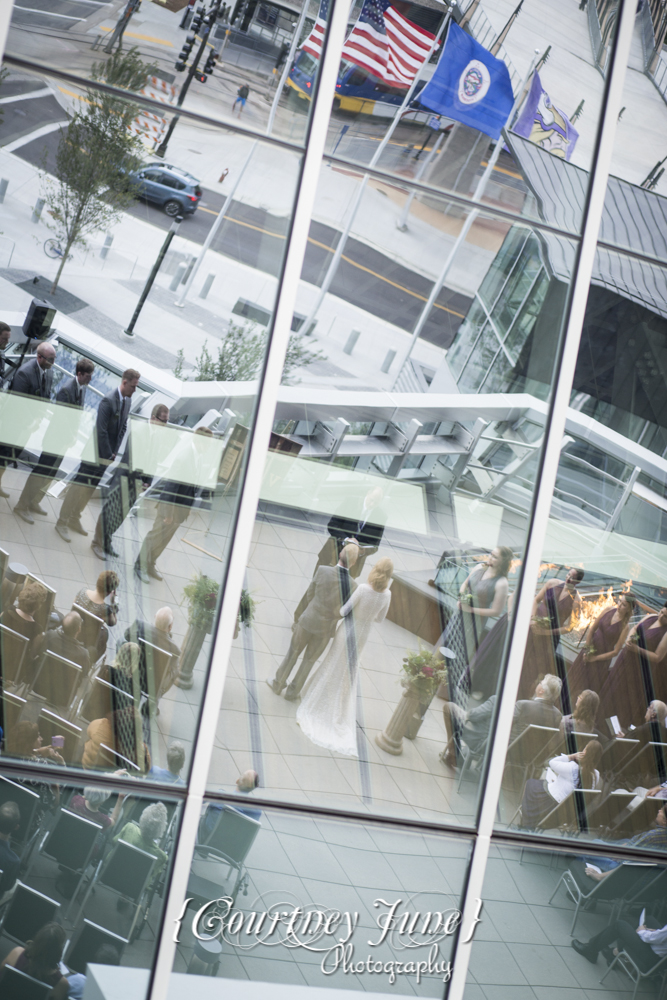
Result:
[[328, 710]]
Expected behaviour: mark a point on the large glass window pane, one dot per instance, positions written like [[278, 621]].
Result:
[[341, 688], [123, 433], [221, 61], [84, 871], [543, 167], [588, 741], [317, 901], [573, 925]]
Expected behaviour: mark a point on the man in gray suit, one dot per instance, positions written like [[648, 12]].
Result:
[[329, 590], [110, 428], [72, 392], [33, 378]]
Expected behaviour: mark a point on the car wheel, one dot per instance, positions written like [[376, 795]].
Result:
[[173, 208]]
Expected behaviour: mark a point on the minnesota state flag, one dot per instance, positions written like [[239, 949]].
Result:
[[470, 85]]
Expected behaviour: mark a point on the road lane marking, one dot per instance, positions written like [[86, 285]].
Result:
[[42, 92], [133, 34], [37, 134], [348, 260], [48, 13]]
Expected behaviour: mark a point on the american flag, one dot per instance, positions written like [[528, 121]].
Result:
[[313, 44], [386, 44]]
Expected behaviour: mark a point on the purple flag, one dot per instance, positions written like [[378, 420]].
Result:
[[545, 124]]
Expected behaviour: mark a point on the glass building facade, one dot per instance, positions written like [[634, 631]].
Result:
[[333, 622]]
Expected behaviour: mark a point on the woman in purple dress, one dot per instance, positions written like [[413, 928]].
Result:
[[605, 638], [637, 677], [551, 615]]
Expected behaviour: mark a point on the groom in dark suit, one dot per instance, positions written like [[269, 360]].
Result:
[[362, 522], [330, 589]]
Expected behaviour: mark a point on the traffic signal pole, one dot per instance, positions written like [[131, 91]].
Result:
[[206, 28]]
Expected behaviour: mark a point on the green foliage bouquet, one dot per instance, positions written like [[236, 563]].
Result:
[[424, 672], [202, 598]]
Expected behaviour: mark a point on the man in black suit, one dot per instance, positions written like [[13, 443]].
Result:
[[33, 378], [72, 392], [112, 417]]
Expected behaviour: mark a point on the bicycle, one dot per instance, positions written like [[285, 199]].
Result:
[[53, 248]]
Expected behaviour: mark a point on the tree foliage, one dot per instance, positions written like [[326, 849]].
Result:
[[240, 355], [96, 153]]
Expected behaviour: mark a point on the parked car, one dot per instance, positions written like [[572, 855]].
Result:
[[177, 191]]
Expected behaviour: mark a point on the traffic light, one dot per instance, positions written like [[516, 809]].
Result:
[[185, 53], [201, 77], [210, 63], [197, 20]]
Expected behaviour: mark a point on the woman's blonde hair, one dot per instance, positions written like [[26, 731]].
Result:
[[381, 574]]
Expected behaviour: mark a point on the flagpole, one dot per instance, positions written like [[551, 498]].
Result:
[[402, 223], [286, 68], [479, 192], [333, 266]]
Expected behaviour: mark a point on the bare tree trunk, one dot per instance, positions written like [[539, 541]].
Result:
[[68, 247]]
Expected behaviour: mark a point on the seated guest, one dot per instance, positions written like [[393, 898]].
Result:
[[582, 720], [88, 806], [124, 672], [175, 761], [564, 773], [20, 618], [151, 827], [100, 602], [645, 945], [653, 729], [122, 732], [41, 959], [540, 710], [25, 741], [475, 723], [106, 954], [64, 641], [246, 783], [655, 839], [159, 634], [10, 820]]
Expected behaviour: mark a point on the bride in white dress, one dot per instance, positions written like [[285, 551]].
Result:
[[328, 710]]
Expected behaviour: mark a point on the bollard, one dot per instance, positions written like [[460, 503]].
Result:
[[3, 189], [188, 270], [351, 341], [178, 275], [388, 361], [37, 210], [105, 249], [206, 287]]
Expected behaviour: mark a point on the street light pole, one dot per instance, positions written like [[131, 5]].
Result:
[[117, 36], [173, 229], [212, 14]]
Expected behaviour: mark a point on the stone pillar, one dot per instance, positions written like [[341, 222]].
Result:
[[391, 740], [192, 644]]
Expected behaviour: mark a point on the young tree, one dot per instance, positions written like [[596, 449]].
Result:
[[95, 156], [240, 355]]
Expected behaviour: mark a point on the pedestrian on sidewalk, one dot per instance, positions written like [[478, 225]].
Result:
[[241, 98]]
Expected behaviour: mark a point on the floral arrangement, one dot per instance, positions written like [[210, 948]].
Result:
[[542, 621], [246, 608], [202, 598], [424, 672]]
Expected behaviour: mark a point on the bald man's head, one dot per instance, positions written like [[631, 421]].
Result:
[[46, 356], [164, 620]]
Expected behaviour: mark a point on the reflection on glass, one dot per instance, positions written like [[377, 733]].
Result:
[[591, 924], [121, 459], [83, 876], [293, 899]]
